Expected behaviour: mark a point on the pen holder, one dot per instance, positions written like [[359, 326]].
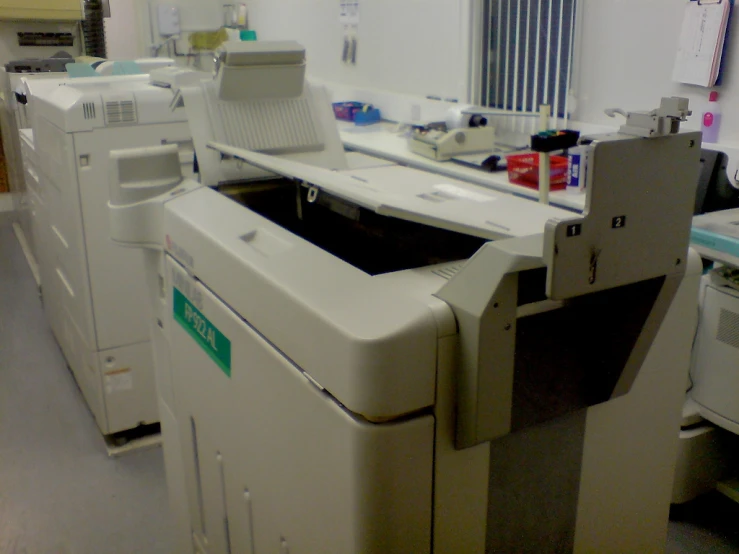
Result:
[[358, 112]]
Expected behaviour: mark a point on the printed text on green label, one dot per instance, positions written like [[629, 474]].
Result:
[[207, 335]]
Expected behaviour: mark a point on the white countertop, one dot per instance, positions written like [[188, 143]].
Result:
[[379, 140]]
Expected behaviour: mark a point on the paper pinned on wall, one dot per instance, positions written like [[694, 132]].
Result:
[[349, 18], [349, 12], [701, 43]]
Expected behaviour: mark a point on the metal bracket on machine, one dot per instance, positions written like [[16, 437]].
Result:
[[636, 224], [663, 121]]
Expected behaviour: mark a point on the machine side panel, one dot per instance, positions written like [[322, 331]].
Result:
[[63, 262], [159, 323], [66, 250], [31, 198], [533, 488], [33, 204], [483, 295], [85, 365], [49, 281], [174, 463], [117, 281], [175, 473], [716, 370], [127, 375], [460, 496], [271, 457], [645, 421]]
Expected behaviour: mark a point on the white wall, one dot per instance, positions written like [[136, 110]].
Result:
[[194, 15], [410, 46], [122, 32], [420, 47], [425, 47], [628, 51]]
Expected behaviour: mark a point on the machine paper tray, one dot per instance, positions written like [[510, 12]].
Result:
[[459, 207]]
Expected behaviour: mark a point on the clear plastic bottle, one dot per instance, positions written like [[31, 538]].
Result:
[[711, 120]]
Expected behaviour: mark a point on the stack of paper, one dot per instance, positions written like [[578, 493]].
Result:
[[701, 43]]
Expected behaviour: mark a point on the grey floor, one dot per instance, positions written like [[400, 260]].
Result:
[[59, 491], [61, 494], [707, 525]]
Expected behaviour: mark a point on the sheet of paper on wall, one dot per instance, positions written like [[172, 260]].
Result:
[[349, 12], [349, 18], [701, 43]]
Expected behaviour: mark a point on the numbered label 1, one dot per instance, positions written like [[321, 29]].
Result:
[[574, 230], [618, 222]]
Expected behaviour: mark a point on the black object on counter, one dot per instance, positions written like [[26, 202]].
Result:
[[549, 141]]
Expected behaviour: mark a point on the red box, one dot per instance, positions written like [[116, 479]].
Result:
[[523, 169]]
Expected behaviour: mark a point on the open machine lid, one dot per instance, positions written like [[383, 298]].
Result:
[[436, 201]]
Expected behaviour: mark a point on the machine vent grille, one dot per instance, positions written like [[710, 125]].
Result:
[[270, 125], [88, 109], [447, 272], [728, 328], [120, 111]]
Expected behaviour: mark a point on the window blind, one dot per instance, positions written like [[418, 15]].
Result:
[[527, 55]]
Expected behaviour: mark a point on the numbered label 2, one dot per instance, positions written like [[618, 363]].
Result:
[[618, 222]]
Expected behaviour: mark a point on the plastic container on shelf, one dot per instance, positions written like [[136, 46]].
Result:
[[523, 169], [358, 112]]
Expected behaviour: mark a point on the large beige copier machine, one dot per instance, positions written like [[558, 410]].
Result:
[[385, 361], [94, 293]]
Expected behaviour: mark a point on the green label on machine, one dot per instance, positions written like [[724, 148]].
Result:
[[210, 339]]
